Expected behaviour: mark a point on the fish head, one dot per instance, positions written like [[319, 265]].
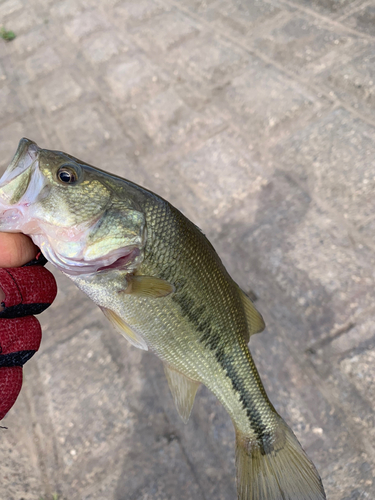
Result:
[[83, 219]]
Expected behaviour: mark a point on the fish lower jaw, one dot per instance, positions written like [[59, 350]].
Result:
[[123, 259], [128, 260]]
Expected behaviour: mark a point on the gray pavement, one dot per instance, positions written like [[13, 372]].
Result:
[[256, 119]]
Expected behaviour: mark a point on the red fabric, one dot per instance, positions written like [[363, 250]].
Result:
[[10, 386], [23, 285], [20, 334], [27, 285]]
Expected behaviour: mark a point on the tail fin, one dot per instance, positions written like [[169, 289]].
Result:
[[282, 472]]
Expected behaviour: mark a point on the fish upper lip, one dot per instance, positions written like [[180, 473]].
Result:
[[25, 156], [31, 146], [26, 147]]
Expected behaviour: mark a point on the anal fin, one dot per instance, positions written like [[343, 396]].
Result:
[[129, 333], [183, 390]]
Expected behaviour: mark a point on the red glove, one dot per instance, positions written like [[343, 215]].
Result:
[[28, 290]]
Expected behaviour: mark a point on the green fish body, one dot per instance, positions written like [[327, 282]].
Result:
[[161, 284]]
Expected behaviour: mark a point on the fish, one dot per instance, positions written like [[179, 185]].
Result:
[[159, 281]]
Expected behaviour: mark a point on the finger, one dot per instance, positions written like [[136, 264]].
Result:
[[16, 249]]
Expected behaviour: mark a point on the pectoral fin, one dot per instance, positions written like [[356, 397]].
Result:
[[129, 333], [255, 322], [183, 390], [148, 286]]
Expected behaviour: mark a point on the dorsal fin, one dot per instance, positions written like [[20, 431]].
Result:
[[129, 333], [255, 322], [183, 390]]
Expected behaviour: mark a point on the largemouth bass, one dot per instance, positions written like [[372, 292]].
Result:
[[159, 281]]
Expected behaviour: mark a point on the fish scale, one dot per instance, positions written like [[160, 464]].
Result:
[[160, 282]]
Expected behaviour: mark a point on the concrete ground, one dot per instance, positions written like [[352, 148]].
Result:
[[256, 119]]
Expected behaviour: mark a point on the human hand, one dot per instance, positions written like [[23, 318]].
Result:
[[24, 291]]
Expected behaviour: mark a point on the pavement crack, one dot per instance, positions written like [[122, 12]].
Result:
[[334, 334]]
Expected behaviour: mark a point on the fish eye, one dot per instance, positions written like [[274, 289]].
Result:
[[67, 174]]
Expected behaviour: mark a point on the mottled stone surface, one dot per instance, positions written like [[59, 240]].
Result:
[[298, 42], [256, 119], [352, 79], [363, 19]]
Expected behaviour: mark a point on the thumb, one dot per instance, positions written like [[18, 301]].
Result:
[[16, 249]]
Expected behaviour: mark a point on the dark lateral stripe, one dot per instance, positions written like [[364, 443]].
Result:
[[22, 310], [190, 310], [15, 358], [256, 421], [213, 341]]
